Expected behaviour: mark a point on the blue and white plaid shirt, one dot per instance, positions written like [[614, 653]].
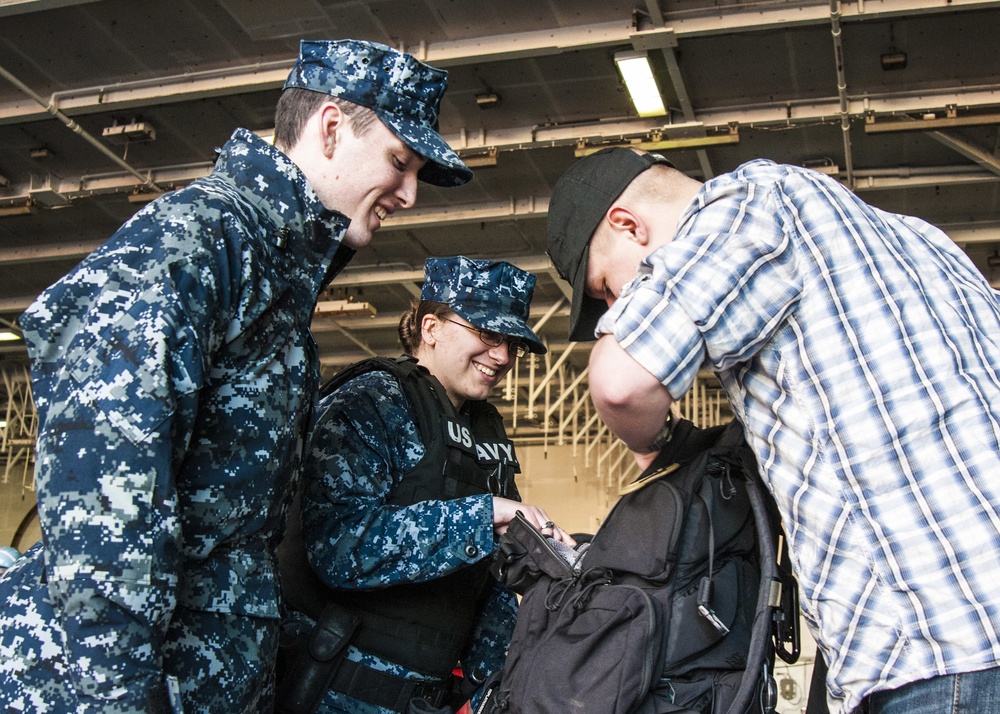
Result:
[[861, 352]]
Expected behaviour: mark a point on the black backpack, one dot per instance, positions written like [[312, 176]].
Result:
[[678, 604]]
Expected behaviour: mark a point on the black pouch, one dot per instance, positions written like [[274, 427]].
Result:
[[307, 661]]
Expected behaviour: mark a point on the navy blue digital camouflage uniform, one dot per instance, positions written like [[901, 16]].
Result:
[[174, 375], [365, 441]]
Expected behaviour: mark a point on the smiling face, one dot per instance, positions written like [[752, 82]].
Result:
[[466, 367], [367, 178]]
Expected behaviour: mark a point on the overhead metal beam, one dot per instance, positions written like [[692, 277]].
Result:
[[947, 122], [961, 233], [902, 178], [969, 150], [777, 115], [469, 213], [271, 75], [21, 7], [515, 208], [77, 129]]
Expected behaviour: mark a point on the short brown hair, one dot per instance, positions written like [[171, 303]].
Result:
[[296, 106]]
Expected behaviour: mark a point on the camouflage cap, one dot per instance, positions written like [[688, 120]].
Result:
[[491, 294], [404, 92]]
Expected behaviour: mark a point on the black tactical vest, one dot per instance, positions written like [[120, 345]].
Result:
[[425, 626]]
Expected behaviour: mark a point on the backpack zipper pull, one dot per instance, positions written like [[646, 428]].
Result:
[[704, 606]]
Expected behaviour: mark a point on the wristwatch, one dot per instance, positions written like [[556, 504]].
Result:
[[660, 440]]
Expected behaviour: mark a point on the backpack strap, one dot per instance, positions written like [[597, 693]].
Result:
[[768, 597]]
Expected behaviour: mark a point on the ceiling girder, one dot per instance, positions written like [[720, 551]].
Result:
[[969, 150], [271, 75], [775, 115], [18, 7]]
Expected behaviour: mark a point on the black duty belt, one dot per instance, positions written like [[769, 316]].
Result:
[[383, 689]]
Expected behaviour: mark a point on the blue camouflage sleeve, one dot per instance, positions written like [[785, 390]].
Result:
[[365, 440], [119, 405], [488, 644]]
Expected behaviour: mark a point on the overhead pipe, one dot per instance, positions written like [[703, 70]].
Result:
[[51, 109], [845, 118]]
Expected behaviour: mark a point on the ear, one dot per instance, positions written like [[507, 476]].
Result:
[[626, 223], [429, 325], [331, 120]]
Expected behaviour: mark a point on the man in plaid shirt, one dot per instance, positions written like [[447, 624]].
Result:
[[859, 349]]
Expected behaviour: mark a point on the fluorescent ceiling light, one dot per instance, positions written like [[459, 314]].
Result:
[[9, 336], [641, 84], [343, 308]]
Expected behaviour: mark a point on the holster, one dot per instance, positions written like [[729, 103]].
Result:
[[307, 663]]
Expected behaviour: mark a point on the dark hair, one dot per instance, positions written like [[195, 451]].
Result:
[[410, 335], [297, 105]]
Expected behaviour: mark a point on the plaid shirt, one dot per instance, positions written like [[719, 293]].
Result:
[[861, 352]]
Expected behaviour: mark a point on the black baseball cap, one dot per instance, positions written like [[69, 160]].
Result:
[[580, 199]]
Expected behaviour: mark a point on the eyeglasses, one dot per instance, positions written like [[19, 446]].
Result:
[[495, 339]]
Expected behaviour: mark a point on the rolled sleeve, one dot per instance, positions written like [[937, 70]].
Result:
[[658, 334], [715, 294]]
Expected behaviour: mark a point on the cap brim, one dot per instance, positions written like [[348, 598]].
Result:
[[504, 323], [443, 167], [585, 311]]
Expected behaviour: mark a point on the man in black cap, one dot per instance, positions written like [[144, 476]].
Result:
[[858, 349], [174, 373]]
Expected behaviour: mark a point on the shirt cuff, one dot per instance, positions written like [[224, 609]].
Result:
[[658, 334], [475, 528]]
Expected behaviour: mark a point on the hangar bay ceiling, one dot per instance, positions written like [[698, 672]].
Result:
[[104, 104]]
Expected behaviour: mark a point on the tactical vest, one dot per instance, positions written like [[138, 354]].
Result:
[[425, 626]]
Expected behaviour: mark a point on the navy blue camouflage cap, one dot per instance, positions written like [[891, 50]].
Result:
[[404, 92], [491, 294]]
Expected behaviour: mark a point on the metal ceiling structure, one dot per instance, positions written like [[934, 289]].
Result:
[[106, 103]]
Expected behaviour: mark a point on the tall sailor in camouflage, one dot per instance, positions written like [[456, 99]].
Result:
[[173, 373]]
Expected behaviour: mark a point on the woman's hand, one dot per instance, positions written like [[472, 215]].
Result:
[[504, 511]]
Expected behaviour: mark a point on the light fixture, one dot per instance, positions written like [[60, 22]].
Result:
[[489, 158], [893, 60], [140, 196], [9, 336], [488, 100], [824, 165], [640, 82], [134, 131], [343, 308], [24, 209]]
